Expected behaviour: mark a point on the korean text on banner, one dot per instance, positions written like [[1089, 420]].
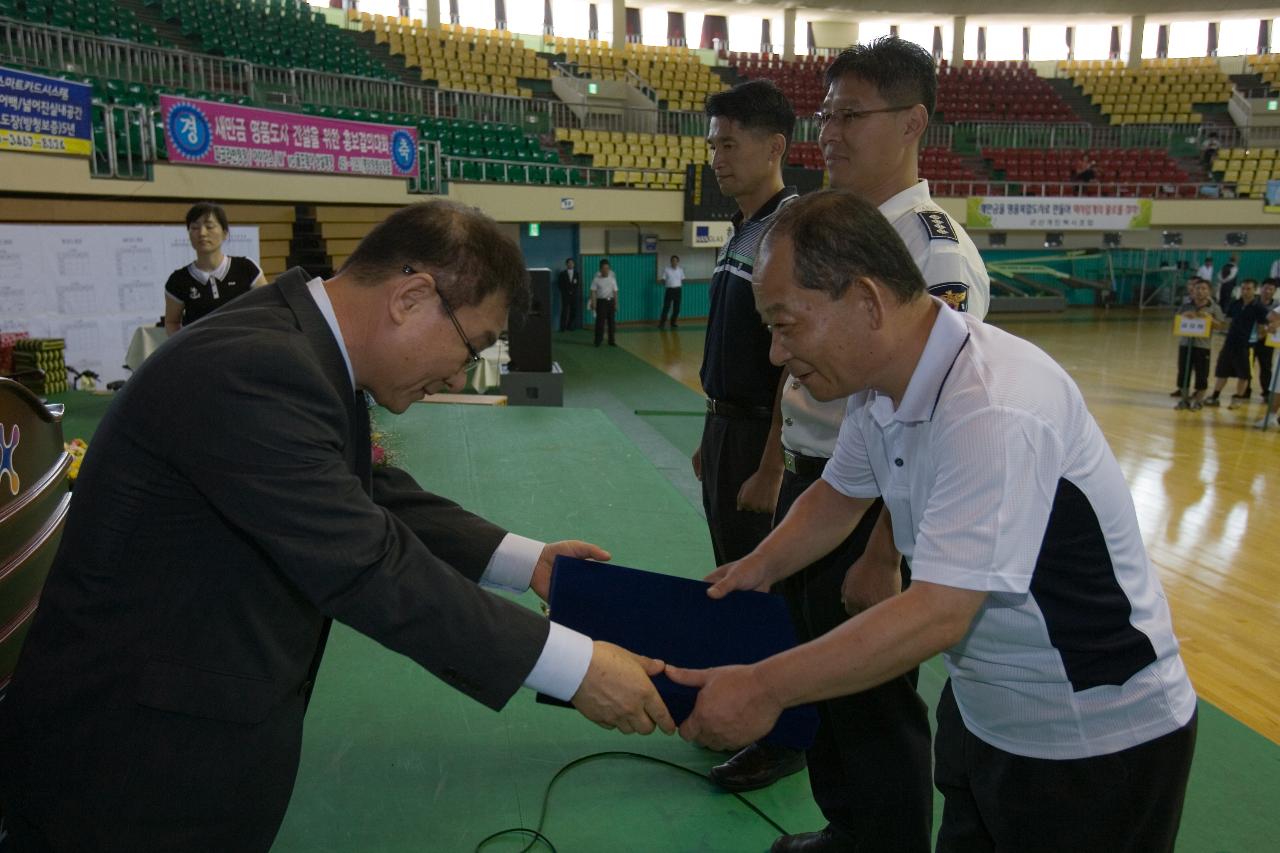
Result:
[[44, 115], [207, 133]]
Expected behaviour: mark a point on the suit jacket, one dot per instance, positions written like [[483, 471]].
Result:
[[226, 512], [569, 281]]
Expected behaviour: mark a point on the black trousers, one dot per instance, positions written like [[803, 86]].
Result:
[[1233, 362], [568, 308], [671, 300], [1126, 802], [606, 309], [1264, 355], [1197, 360], [731, 451], [869, 768]]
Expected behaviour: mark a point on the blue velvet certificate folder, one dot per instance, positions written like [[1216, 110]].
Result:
[[672, 619]]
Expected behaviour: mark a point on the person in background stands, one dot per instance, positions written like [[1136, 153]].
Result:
[[1263, 354], [1227, 281], [1084, 169], [672, 278], [569, 283], [1206, 269], [1269, 416], [1233, 360], [212, 279], [604, 303], [1193, 353], [1209, 150]]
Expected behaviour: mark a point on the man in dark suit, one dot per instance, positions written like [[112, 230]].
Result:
[[569, 283], [158, 702]]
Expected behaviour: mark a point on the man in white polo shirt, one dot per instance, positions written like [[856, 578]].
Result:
[[672, 278], [1068, 722]]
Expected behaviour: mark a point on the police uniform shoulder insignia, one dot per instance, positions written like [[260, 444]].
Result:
[[954, 293], [937, 225]]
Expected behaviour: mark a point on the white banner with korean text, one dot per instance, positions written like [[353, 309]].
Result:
[[1012, 213]]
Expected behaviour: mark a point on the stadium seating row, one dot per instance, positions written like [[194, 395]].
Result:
[[628, 151], [278, 33], [1158, 92], [96, 17], [1248, 168], [1267, 67], [678, 76], [1009, 92], [487, 61], [1137, 165]]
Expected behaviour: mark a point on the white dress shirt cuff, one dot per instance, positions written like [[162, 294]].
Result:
[[563, 663], [512, 564]]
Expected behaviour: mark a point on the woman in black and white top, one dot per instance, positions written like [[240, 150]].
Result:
[[213, 279]]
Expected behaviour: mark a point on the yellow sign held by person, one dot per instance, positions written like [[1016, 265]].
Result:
[[1193, 326], [1273, 338]]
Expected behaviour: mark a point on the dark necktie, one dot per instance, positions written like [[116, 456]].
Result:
[[364, 450]]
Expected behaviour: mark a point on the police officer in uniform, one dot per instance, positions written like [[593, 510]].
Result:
[[870, 766]]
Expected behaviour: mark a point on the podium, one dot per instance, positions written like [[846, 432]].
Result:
[[34, 499]]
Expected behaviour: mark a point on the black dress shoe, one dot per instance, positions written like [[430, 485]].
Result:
[[827, 840], [757, 766]]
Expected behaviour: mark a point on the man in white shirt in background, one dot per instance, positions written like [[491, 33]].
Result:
[[672, 278], [1206, 270]]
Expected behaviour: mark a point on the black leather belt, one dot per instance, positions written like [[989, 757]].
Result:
[[803, 466], [733, 410]]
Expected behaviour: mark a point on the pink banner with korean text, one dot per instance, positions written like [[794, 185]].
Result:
[[207, 133]]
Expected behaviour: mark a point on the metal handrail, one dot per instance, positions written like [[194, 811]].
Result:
[[547, 168], [54, 47], [134, 160], [965, 187], [641, 84]]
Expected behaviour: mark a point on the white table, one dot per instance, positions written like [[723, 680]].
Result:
[[146, 340]]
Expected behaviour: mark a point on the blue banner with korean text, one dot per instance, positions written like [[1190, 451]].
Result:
[[44, 115]]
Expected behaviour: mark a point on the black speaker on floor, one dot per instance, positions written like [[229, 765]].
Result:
[[530, 336]]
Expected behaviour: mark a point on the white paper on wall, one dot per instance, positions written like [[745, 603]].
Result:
[[95, 284]]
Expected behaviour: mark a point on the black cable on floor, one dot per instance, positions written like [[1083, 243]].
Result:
[[595, 756]]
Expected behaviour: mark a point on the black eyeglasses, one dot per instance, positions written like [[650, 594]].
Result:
[[473, 357], [845, 116]]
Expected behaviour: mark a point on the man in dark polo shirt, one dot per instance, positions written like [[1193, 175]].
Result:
[[739, 459]]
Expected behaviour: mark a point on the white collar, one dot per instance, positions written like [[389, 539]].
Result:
[[316, 288], [906, 201], [946, 339], [203, 276]]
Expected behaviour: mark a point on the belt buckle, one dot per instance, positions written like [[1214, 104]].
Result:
[[789, 460]]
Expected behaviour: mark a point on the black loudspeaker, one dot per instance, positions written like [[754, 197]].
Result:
[[530, 336]]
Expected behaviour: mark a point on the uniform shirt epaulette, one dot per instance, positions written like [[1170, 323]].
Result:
[[937, 225]]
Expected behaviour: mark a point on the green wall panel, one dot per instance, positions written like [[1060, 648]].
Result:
[[640, 291]]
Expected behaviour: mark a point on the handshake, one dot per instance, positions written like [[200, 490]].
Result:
[[734, 707]]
